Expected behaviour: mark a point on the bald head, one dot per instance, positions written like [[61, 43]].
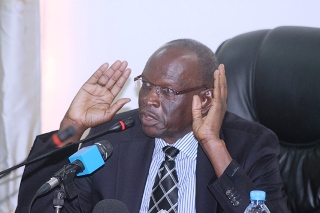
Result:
[[206, 60]]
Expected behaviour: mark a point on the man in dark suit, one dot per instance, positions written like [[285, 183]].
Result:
[[182, 103]]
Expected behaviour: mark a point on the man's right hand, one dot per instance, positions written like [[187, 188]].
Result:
[[93, 103]]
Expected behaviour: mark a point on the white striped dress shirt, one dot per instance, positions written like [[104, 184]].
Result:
[[186, 171]]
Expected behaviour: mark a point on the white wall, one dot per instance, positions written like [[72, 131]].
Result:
[[79, 35]]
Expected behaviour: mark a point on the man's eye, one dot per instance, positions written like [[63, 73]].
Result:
[[146, 84], [168, 90]]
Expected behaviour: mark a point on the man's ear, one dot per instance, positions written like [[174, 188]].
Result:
[[206, 97]]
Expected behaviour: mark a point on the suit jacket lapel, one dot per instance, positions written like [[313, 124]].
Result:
[[137, 154], [205, 201]]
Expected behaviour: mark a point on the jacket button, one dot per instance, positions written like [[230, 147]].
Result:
[[236, 203]]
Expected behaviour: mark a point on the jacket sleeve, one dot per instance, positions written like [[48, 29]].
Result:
[[255, 165]]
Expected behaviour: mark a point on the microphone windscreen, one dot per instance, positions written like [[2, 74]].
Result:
[[90, 157], [105, 148], [66, 133], [110, 206]]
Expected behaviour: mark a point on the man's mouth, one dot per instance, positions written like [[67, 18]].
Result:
[[148, 119]]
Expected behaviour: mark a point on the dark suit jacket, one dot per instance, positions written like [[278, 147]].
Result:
[[255, 165]]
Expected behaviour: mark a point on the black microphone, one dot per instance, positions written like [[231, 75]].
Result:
[[110, 206], [56, 140], [83, 162], [122, 125], [119, 126]]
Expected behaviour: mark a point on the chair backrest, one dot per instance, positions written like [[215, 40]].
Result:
[[274, 79]]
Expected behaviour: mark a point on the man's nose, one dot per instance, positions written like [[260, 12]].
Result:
[[152, 97]]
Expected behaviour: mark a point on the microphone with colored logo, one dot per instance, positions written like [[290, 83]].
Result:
[[83, 162]]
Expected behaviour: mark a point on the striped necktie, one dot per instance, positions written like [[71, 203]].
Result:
[[165, 190]]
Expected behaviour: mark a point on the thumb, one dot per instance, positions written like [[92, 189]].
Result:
[[118, 105], [196, 112]]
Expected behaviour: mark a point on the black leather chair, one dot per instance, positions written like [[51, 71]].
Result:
[[274, 79]]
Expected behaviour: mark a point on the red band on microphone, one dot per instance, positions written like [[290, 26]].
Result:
[[123, 126], [56, 140]]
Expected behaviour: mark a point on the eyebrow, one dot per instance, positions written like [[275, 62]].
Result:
[[173, 84]]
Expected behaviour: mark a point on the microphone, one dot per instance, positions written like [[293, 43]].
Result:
[[83, 162], [110, 206], [122, 125], [56, 140]]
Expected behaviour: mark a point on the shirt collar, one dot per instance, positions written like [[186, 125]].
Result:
[[188, 145]]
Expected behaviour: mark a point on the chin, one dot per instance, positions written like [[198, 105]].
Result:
[[151, 131]]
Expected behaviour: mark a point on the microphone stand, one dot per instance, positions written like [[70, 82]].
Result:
[[58, 199], [67, 188]]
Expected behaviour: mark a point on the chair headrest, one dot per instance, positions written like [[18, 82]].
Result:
[[274, 78]]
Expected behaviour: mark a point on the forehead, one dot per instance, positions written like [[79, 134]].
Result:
[[171, 64]]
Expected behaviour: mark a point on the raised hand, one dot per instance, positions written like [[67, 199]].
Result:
[[207, 128], [93, 104]]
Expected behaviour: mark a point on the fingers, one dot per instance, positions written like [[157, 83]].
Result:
[[120, 82], [219, 101], [220, 84], [216, 86], [223, 82], [97, 74], [113, 78], [112, 74]]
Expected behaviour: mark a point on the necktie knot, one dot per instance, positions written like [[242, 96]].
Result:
[[170, 152]]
